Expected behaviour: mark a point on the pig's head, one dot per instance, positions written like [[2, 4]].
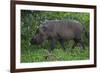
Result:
[[38, 38]]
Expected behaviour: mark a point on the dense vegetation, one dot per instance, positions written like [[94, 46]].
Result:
[[30, 20]]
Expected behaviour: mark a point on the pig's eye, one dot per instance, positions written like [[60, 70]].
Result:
[[44, 28]]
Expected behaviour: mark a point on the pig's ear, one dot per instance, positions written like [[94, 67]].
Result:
[[44, 28]]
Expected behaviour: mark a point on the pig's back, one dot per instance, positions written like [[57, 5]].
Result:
[[65, 29], [63, 25]]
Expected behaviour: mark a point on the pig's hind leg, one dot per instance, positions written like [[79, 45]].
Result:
[[76, 41]]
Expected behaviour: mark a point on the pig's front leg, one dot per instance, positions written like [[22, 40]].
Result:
[[53, 43], [62, 43]]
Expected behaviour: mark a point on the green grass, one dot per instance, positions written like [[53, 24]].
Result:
[[41, 55]]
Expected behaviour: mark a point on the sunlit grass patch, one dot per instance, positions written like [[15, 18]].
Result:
[[39, 55]]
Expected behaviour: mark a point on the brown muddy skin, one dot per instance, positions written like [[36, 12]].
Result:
[[59, 30]]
